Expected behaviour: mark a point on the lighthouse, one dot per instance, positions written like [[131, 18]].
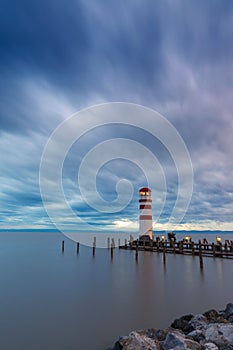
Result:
[[145, 217]]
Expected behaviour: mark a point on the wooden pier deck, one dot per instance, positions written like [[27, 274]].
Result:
[[218, 250]]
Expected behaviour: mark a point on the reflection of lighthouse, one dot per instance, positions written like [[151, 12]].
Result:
[[145, 218]]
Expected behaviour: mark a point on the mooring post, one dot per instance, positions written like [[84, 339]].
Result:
[[111, 251], [136, 253], [226, 249], [214, 249], [94, 246], [144, 244], [113, 243], [125, 243], [164, 254], [63, 246], [108, 243], [200, 255], [193, 249], [77, 247], [119, 242]]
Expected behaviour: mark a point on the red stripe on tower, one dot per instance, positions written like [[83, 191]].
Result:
[[145, 217]]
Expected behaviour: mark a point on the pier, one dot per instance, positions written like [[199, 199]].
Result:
[[184, 247]]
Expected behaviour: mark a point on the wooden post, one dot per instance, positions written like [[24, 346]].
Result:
[[144, 244], [174, 246], [113, 243], [226, 249], [63, 246], [119, 242], [108, 243], [93, 249], [193, 249], [136, 253], [111, 251], [157, 245], [164, 255], [214, 249], [220, 248], [125, 243], [200, 255], [78, 248]]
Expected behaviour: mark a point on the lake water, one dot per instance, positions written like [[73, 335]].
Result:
[[55, 301]]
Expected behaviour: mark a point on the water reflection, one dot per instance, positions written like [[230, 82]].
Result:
[[63, 299]]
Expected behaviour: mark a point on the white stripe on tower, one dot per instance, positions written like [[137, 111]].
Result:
[[145, 218]]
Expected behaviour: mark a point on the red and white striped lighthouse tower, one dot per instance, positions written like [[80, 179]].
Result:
[[145, 218]]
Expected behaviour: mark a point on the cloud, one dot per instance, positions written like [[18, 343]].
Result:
[[175, 57]]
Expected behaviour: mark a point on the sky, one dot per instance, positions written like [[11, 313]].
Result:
[[58, 58]]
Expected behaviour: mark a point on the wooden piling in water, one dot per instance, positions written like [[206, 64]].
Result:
[[193, 248], [63, 246], [164, 255], [136, 253], [214, 249], [119, 242], [125, 243], [112, 251], [200, 255], [108, 243], [77, 247]]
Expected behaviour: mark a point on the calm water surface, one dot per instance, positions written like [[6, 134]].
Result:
[[55, 301]]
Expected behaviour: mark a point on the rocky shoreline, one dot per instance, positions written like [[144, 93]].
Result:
[[211, 330]]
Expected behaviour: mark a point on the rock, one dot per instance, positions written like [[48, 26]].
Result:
[[199, 322], [178, 341], [138, 341], [229, 310], [211, 315], [161, 334], [197, 335], [210, 346], [183, 324], [220, 334]]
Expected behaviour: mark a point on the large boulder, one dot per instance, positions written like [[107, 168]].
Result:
[[220, 334], [183, 323], [138, 341], [176, 340], [199, 322]]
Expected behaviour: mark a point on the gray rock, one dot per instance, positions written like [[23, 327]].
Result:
[[197, 335], [229, 310], [199, 322], [178, 341], [159, 334], [138, 341], [210, 346], [220, 334]]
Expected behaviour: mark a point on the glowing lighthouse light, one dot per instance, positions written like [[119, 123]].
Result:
[[145, 218]]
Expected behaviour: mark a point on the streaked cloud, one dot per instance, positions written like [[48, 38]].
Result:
[[175, 57]]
